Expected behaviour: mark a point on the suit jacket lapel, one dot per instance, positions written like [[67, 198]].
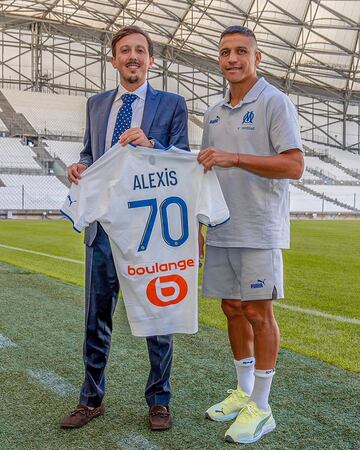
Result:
[[151, 103], [103, 118]]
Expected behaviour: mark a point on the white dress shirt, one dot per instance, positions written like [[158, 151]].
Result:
[[137, 110]]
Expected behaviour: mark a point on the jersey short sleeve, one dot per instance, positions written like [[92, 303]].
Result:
[[83, 207], [212, 209], [87, 201], [284, 124], [71, 210]]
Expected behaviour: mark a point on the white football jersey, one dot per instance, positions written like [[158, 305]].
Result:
[[150, 203]]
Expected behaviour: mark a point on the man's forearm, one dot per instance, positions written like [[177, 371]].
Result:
[[289, 164]]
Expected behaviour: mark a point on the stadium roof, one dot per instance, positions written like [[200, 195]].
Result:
[[309, 46]]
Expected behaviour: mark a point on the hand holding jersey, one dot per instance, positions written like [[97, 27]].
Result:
[[74, 172]]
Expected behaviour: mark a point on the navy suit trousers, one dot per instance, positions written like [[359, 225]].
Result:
[[101, 294]]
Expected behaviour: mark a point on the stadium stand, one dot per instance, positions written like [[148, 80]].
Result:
[[15, 123], [31, 192], [50, 115], [346, 159], [15, 155], [68, 152], [53, 125], [301, 201], [311, 177], [345, 194], [327, 171], [3, 128]]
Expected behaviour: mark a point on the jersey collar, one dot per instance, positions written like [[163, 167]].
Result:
[[250, 97]]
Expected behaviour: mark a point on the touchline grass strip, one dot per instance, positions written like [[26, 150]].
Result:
[[33, 252], [313, 312]]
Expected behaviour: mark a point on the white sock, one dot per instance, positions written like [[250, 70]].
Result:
[[262, 385], [245, 374]]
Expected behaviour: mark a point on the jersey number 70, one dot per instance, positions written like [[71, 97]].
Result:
[[152, 203]]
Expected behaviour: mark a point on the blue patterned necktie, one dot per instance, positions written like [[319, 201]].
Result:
[[123, 118]]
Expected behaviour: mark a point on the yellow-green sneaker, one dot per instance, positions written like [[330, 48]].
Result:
[[229, 408], [250, 424]]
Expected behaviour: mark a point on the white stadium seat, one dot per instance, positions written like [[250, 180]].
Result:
[[15, 155], [68, 152], [49, 113], [31, 192]]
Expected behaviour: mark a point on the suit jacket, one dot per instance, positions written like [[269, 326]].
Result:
[[164, 120]]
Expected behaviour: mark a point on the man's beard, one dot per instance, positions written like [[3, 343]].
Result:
[[132, 79]]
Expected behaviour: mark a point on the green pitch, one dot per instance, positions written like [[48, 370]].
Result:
[[314, 403], [314, 397], [321, 273]]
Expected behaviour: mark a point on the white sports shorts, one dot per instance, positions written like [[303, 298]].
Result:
[[243, 273]]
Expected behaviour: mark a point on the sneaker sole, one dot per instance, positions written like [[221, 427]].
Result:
[[267, 429], [222, 418]]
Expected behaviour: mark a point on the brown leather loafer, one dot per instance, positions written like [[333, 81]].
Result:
[[81, 416], [159, 418]]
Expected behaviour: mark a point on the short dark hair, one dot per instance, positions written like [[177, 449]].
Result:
[[126, 31], [233, 29]]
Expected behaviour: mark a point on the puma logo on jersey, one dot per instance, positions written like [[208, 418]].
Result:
[[216, 120], [70, 200]]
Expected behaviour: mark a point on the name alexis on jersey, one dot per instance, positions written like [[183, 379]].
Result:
[[155, 179]]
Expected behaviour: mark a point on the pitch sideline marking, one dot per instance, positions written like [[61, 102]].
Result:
[[5, 342], [53, 382], [33, 252], [135, 441], [311, 312]]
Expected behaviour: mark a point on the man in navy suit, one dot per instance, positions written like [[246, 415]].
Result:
[[158, 119]]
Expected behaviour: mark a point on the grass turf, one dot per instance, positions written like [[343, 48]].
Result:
[[52, 237], [321, 273], [314, 403], [323, 265]]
